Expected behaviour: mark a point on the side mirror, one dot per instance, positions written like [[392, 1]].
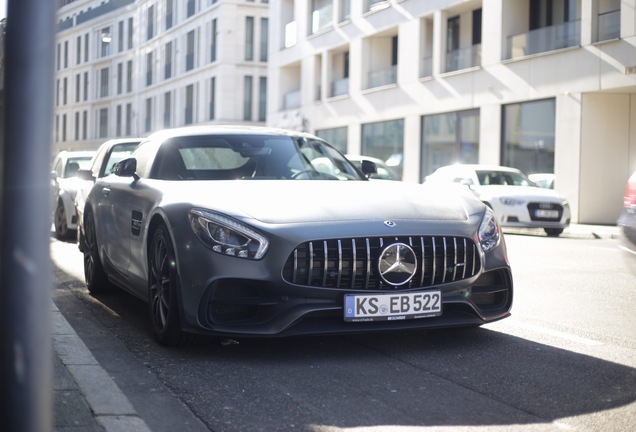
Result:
[[85, 175], [126, 168], [369, 168]]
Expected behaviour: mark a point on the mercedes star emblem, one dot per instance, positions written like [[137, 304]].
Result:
[[397, 264]]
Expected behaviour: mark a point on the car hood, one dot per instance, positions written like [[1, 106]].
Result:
[[296, 201], [528, 193]]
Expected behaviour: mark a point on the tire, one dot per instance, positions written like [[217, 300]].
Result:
[[94, 274], [163, 283], [553, 232], [59, 220]]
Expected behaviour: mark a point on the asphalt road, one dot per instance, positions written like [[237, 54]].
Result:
[[565, 360]]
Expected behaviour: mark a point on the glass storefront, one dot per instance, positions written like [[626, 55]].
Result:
[[528, 131], [385, 141], [448, 139], [337, 137]]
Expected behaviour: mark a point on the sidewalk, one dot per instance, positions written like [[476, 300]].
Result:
[[85, 398]]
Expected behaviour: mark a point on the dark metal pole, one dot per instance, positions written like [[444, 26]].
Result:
[[25, 269]]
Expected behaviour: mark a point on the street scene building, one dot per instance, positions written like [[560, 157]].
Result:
[[128, 68], [547, 86], [540, 85]]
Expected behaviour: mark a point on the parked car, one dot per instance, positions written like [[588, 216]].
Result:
[[64, 183], [627, 220], [516, 200], [233, 231], [544, 180], [384, 172], [107, 156]]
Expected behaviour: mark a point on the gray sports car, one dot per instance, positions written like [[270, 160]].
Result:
[[241, 231]]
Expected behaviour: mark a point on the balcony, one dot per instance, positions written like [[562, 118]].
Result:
[[382, 77], [291, 100], [339, 87], [463, 58], [545, 39], [609, 25]]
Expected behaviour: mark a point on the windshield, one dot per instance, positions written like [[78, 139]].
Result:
[[250, 157], [505, 178], [74, 164]]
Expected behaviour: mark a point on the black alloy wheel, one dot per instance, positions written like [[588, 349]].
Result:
[[94, 274], [163, 282]]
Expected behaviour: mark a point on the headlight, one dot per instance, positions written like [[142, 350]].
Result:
[[227, 236], [489, 234], [511, 201]]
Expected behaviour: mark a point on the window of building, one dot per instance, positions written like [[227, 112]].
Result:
[[169, 13], [167, 109], [249, 38], [64, 127], [86, 47], [118, 121], [337, 137], [103, 123], [190, 50], [130, 33], [57, 92], [167, 68], [262, 99], [85, 125], [247, 97], [213, 43], [78, 87], [381, 60], [320, 15], [385, 141], [58, 57], [212, 103], [129, 76], [105, 38], [449, 138], [150, 27], [103, 82], [264, 40], [129, 114], [149, 67], [345, 10], [120, 36], [65, 91], [120, 78], [529, 130], [148, 120], [189, 104], [77, 126], [65, 54], [85, 86], [78, 50], [190, 8]]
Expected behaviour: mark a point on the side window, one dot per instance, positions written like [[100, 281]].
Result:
[[58, 167]]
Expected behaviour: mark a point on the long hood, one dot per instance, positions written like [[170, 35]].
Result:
[[296, 201]]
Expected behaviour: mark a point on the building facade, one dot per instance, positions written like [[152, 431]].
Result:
[[541, 85], [126, 68]]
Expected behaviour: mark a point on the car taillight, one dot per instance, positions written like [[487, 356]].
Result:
[[630, 193]]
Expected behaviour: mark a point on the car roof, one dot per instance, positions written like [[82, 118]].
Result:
[[227, 130], [478, 167]]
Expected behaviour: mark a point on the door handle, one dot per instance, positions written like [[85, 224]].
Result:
[[106, 191]]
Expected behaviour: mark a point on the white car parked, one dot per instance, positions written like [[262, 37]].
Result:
[[515, 199], [64, 184]]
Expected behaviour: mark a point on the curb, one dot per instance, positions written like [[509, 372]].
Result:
[[111, 409]]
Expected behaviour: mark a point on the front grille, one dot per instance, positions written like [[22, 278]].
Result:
[[353, 262], [533, 207]]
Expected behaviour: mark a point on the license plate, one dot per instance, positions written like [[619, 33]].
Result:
[[547, 213], [392, 307]]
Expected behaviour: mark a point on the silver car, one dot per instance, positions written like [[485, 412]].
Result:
[[237, 231]]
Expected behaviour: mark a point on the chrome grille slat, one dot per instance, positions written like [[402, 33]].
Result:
[[339, 264], [354, 263]]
